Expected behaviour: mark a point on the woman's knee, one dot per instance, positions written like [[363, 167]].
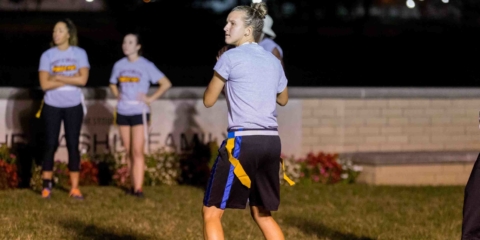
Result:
[[50, 147], [211, 213], [259, 213], [73, 151], [137, 152], [73, 145], [72, 139], [127, 151]]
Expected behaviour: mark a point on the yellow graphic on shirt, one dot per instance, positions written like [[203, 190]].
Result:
[[123, 79], [59, 69]]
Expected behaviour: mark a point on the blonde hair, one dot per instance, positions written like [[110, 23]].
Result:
[[72, 31], [254, 15]]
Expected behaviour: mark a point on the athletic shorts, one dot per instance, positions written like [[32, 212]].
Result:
[[258, 152], [123, 120]]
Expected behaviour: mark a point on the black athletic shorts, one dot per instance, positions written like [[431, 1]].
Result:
[[259, 154], [123, 120]]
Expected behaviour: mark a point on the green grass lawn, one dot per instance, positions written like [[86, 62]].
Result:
[[174, 212]]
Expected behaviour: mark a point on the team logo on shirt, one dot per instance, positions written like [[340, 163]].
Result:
[[124, 79], [64, 65], [129, 76], [59, 69]]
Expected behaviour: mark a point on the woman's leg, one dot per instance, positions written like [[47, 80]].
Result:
[[52, 119], [212, 225], [138, 166], [266, 223], [73, 123], [265, 191], [125, 134]]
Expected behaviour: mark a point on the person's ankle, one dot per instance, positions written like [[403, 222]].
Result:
[[47, 183]]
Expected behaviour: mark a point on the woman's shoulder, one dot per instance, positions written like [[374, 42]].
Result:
[[235, 53], [78, 49], [241, 53], [144, 60], [123, 59], [120, 61], [148, 63], [49, 51]]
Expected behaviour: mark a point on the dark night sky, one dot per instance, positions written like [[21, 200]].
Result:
[[183, 42]]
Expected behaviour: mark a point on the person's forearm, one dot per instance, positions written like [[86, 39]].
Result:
[[47, 81], [114, 90], [282, 98], [161, 90], [72, 80], [49, 85]]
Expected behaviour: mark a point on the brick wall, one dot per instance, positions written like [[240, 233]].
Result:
[[417, 174], [361, 125], [362, 119]]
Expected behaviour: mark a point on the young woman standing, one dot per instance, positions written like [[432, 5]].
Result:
[[133, 74], [64, 68], [248, 163]]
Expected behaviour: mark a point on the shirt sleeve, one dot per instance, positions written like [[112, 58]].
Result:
[[223, 66], [114, 75], [44, 63], [154, 73], [282, 84], [83, 59]]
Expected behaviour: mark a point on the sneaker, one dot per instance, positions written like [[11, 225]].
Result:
[[75, 193], [46, 192], [138, 194]]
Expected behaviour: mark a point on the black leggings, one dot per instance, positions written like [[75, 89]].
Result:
[[72, 120]]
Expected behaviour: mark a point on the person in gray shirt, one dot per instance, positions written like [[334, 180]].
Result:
[[246, 169], [266, 39], [63, 70], [130, 80]]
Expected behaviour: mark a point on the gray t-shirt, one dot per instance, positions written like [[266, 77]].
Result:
[[134, 78], [253, 77], [67, 63], [268, 44]]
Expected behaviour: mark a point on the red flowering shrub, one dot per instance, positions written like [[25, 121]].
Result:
[[322, 168], [8, 168], [8, 175], [88, 173]]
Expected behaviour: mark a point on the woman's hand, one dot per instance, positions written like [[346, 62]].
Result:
[[56, 78], [144, 98], [148, 100], [52, 78]]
